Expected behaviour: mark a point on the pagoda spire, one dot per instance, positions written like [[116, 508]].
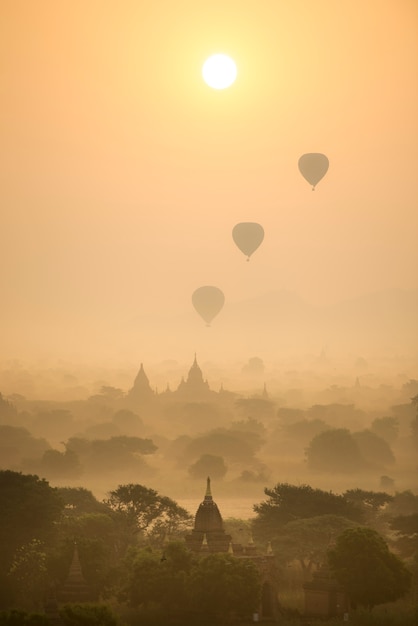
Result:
[[208, 494]]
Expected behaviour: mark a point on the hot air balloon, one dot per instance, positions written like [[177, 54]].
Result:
[[313, 167], [248, 236], [208, 301]]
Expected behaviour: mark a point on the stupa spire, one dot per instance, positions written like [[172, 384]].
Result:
[[208, 494]]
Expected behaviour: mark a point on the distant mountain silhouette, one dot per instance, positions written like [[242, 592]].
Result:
[[383, 322]]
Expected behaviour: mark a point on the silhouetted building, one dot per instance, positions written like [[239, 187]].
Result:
[[208, 531], [209, 536], [324, 597], [141, 391], [191, 390], [75, 587], [194, 387]]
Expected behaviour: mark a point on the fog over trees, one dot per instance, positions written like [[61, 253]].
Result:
[[328, 425], [298, 462]]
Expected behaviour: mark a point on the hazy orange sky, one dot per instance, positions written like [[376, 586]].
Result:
[[123, 174]]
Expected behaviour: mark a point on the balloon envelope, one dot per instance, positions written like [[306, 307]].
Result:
[[248, 236], [208, 302], [313, 166]]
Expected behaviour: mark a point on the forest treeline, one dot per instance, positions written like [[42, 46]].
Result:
[[92, 472], [135, 561], [241, 440]]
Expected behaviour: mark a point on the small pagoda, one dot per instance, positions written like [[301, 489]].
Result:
[[75, 588]]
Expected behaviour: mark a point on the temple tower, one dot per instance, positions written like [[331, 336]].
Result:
[[208, 533]]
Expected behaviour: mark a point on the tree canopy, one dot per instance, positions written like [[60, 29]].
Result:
[[287, 503], [370, 573], [146, 511], [29, 506]]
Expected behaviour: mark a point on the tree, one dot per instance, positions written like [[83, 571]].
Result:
[[308, 540], [146, 511], [208, 465], [17, 446], [287, 503], [373, 448], [79, 500], [28, 573], [60, 464], [117, 454], [370, 573], [335, 450], [386, 427], [305, 430], [129, 422], [160, 578], [29, 508], [222, 585], [372, 503], [255, 407], [7, 410], [87, 615], [144, 571], [16, 617], [93, 526], [406, 529]]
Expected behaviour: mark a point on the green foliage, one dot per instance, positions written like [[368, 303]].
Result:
[[145, 510], [87, 615], [16, 617], [223, 585], [307, 540], [414, 430], [287, 503], [303, 431], [370, 573], [18, 447], [372, 503], [375, 500], [250, 425], [78, 500], [406, 529], [143, 586], [128, 421], [374, 449], [161, 578], [7, 409], [60, 464], [386, 427], [335, 450], [403, 503], [95, 529], [29, 508], [179, 582], [28, 573], [111, 455]]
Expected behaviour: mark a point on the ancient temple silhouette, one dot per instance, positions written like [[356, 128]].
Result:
[[324, 596], [141, 391], [208, 532], [75, 588], [193, 388], [209, 536]]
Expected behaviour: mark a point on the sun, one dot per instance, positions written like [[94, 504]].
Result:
[[219, 71]]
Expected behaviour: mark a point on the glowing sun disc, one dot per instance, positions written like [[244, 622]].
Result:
[[219, 71]]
